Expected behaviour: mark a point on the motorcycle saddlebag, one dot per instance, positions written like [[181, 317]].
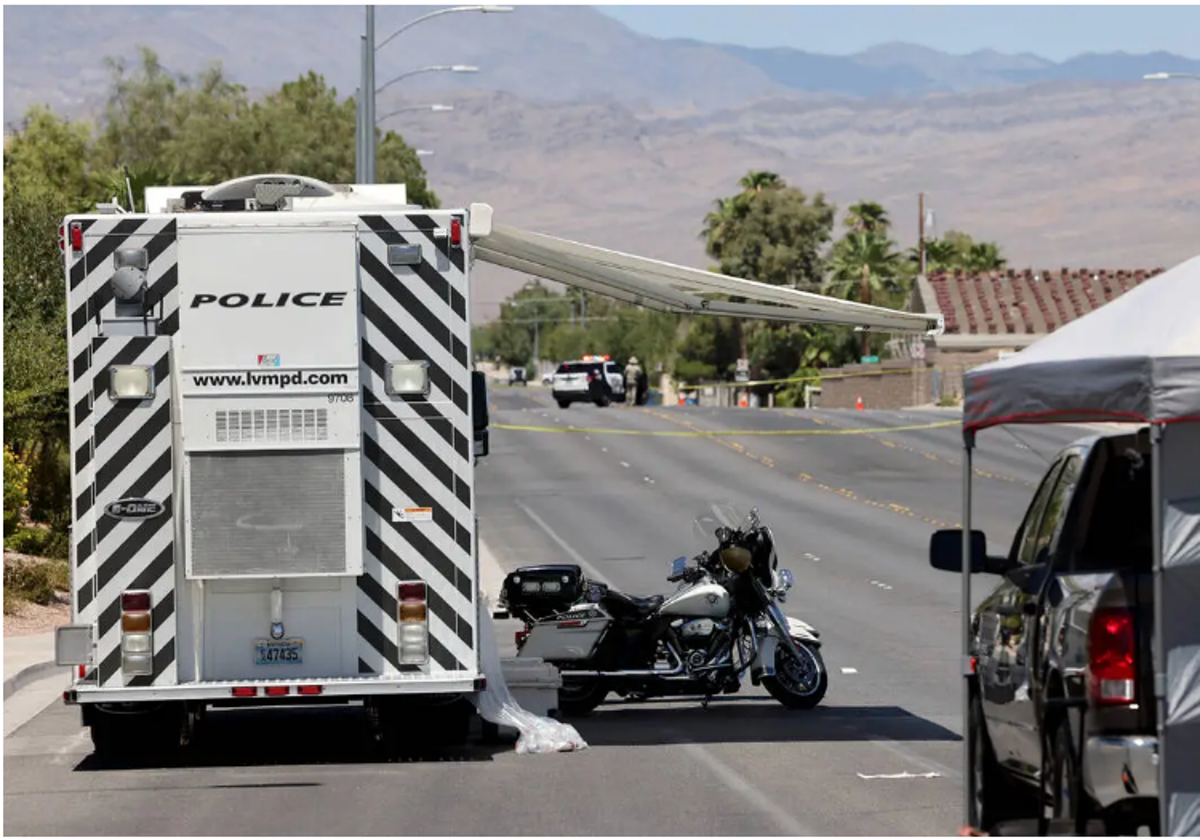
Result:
[[542, 591], [569, 636]]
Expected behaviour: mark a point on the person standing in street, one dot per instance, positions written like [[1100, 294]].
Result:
[[633, 372]]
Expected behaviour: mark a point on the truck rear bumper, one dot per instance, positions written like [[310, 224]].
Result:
[[454, 683], [1119, 767]]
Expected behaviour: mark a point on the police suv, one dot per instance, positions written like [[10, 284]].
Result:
[[594, 379]]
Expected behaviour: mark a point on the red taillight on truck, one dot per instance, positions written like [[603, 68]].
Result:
[[137, 633], [412, 622], [1112, 657]]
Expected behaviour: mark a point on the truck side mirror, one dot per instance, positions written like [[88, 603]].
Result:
[[946, 554], [479, 412]]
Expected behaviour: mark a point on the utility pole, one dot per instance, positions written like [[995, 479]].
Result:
[[369, 100], [921, 233], [866, 298]]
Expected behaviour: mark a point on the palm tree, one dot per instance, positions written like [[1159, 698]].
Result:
[[940, 255], [864, 266], [984, 256], [757, 181], [867, 217]]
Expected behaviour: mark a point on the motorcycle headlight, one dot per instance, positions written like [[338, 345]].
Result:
[[786, 579]]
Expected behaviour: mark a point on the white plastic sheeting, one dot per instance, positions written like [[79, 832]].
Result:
[[496, 704]]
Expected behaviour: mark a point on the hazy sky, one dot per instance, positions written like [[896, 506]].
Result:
[[1054, 32]]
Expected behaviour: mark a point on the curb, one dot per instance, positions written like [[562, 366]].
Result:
[[28, 674]]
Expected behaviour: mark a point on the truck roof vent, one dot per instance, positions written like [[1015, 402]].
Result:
[[268, 192]]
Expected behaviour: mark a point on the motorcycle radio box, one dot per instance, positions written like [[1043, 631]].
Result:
[[541, 591]]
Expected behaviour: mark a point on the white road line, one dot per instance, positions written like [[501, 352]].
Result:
[[928, 764], [647, 479], [905, 775], [625, 465], [575, 555], [849, 670], [603, 448], [788, 825]]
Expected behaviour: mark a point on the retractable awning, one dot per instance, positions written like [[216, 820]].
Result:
[[674, 288]]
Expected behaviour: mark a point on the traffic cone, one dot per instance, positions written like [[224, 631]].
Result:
[[858, 404]]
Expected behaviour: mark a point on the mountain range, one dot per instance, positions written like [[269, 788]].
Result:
[[578, 126]]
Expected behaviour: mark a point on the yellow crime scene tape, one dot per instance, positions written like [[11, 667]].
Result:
[[817, 377], [727, 432]]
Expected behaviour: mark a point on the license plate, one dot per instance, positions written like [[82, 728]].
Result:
[[283, 652]]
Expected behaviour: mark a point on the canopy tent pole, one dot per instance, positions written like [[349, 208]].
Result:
[[1157, 433], [971, 818]]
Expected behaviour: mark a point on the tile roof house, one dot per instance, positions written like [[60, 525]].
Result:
[[1011, 309]]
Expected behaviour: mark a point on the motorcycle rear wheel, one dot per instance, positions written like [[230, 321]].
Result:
[[798, 688], [580, 699]]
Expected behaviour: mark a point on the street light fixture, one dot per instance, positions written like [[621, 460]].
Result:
[[409, 108], [424, 152], [453, 9], [433, 68], [367, 115]]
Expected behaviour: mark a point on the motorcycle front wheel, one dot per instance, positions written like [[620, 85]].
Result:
[[798, 685]]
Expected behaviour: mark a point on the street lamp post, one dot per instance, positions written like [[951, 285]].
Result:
[[368, 73]]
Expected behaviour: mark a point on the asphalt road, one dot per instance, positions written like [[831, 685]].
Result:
[[852, 514]]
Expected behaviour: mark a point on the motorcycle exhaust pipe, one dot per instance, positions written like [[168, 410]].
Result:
[[658, 672]]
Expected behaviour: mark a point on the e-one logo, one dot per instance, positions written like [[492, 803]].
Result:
[[134, 509], [263, 300]]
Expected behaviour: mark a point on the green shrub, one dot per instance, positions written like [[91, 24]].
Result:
[[31, 541], [36, 582], [16, 489]]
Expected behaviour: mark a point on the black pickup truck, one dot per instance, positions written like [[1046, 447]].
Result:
[[1062, 706]]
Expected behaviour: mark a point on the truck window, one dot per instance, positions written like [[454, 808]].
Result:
[[1057, 505], [1026, 538], [578, 367], [1120, 530]]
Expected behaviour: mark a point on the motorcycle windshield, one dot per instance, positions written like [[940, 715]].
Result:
[[717, 514]]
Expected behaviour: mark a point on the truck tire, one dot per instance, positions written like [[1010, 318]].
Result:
[[132, 735], [1064, 794], [564, 403], [997, 796], [416, 730]]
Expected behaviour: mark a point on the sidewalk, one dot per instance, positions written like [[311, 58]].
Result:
[[27, 659]]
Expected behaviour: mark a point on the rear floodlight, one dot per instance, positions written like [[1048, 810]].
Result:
[[408, 378], [130, 382]]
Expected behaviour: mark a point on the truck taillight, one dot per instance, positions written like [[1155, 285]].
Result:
[[1112, 657], [456, 233], [137, 634], [76, 236], [412, 619]]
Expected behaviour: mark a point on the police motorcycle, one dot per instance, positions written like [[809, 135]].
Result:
[[722, 621]]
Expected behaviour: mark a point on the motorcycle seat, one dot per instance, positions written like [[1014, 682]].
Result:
[[629, 604]]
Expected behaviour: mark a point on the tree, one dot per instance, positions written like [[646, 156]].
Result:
[[769, 232], [867, 217], [173, 129], [958, 251], [865, 267]]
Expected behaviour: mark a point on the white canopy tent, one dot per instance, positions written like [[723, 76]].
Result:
[[1134, 360]]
